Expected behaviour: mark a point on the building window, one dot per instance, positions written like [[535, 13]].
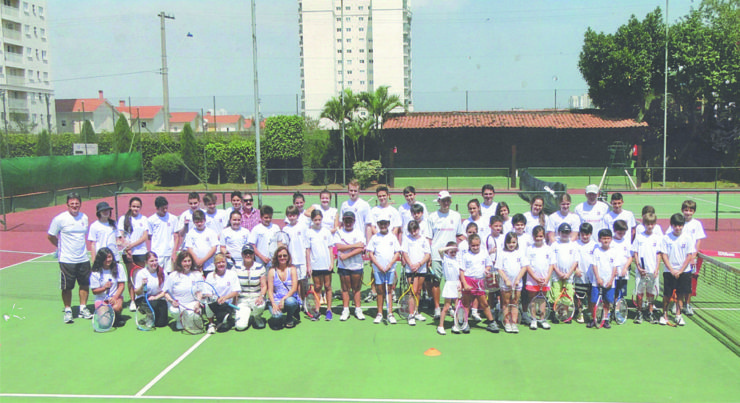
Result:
[[339, 19], [362, 29], [362, 83], [35, 32], [348, 29], [347, 8], [346, 19], [29, 53], [339, 29], [339, 8], [349, 71], [43, 55], [64, 122], [349, 61], [41, 12], [349, 40], [339, 40], [43, 34], [362, 61], [362, 50], [361, 7], [362, 39], [339, 50], [349, 50], [28, 30], [349, 82], [25, 7]]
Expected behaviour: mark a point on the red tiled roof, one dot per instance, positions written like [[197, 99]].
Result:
[[223, 119], [529, 119], [147, 112], [75, 105], [182, 117]]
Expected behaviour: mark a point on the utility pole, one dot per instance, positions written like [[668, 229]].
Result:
[[256, 106], [341, 103], [165, 85], [5, 121], [82, 129], [665, 97], [48, 124]]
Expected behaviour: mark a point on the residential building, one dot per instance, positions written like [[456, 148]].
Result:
[[72, 113], [355, 44], [25, 82], [179, 119], [224, 123], [149, 118], [582, 101]]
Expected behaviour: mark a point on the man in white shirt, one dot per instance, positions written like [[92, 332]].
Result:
[[488, 207], [592, 210], [67, 233], [384, 209], [360, 208], [162, 226], [446, 226], [216, 219], [183, 222]]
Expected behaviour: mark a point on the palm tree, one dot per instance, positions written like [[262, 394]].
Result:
[[341, 109], [379, 105]]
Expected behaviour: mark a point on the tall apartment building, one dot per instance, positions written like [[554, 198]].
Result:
[[355, 44], [25, 82]]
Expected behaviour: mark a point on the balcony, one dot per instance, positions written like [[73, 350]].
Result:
[[13, 57], [12, 34], [15, 80], [17, 105], [10, 12]]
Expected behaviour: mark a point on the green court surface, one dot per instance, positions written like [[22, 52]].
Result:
[[43, 359]]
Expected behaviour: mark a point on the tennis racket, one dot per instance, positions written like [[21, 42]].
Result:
[[192, 322], [313, 301], [599, 316], [674, 301], [404, 301], [460, 317], [144, 312], [206, 294], [564, 306], [511, 314], [280, 238], [104, 316], [123, 241], [621, 311], [539, 308]]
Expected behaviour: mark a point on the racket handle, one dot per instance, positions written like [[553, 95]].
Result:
[[232, 305]]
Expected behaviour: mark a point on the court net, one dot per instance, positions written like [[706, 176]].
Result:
[[717, 301]]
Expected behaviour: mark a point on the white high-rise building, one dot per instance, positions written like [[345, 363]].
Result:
[[353, 44], [25, 79]]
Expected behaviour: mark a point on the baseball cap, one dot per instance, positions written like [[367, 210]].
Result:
[[564, 228], [348, 214], [247, 249], [383, 216], [102, 206], [443, 195], [592, 189]]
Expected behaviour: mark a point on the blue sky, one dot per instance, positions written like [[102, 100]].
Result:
[[505, 54]]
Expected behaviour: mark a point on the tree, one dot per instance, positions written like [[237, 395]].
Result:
[[122, 136], [43, 144], [342, 110], [189, 153], [87, 134], [284, 144], [379, 105]]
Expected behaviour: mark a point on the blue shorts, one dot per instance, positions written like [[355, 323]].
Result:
[[345, 272], [384, 278], [606, 293]]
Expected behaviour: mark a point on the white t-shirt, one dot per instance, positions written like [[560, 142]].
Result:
[[533, 221], [641, 228], [186, 218], [152, 283], [474, 264], [586, 255], [497, 243], [604, 261], [162, 230], [556, 218], [416, 249], [524, 240], [298, 242], [70, 231], [406, 215], [318, 243], [511, 263], [383, 247], [103, 234], [610, 217], [445, 228], [327, 216], [566, 254], [139, 227], [451, 267], [483, 228], [180, 285], [647, 247], [487, 211], [218, 220], [593, 215], [234, 241], [225, 284], [677, 248], [260, 237], [624, 252], [201, 243], [99, 278], [539, 259], [695, 229], [342, 237], [361, 210], [303, 219], [377, 211]]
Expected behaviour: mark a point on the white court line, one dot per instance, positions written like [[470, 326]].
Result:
[[171, 366], [25, 261], [27, 253], [234, 398], [714, 202]]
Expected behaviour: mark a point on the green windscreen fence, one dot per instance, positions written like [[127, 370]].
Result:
[[44, 174]]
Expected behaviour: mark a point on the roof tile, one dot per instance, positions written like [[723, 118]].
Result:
[[545, 119]]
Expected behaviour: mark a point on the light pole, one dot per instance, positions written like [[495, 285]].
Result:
[[256, 107], [665, 97], [341, 103], [165, 84]]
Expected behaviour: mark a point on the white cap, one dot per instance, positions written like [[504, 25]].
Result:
[[383, 216], [592, 189], [443, 195]]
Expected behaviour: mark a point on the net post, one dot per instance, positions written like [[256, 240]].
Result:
[[716, 211]]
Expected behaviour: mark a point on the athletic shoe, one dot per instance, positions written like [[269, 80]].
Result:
[[607, 325], [84, 313], [507, 327], [474, 314], [378, 319], [259, 322], [369, 298], [132, 306], [514, 328], [652, 319], [680, 321], [328, 315], [437, 312], [358, 314], [466, 329], [492, 327], [533, 325], [441, 331], [579, 319], [663, 320], [412, 321], [290, 324], [638, 319], [689, 310], [455, 329], [345, 314], [419, 317], [211, 328], [392, 319], [545, 325], [68, 316], [591, 325]]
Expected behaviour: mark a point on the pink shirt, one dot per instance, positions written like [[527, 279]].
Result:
[[250, 220]]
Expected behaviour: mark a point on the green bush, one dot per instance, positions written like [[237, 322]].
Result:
[[169, 168], [316, 157], [367, 171]]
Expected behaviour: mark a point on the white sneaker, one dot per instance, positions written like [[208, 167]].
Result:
[[345, 314], [391, 319], [663, 321], [507, 327], [132, 306], [84, 313], [437, 312], [412, 321], [419, 317], [358, 314], [545, 325], [680, 321], [211, 328], [514, 328], [533, 325], [68, 316], [378, 319], [441, 331], [455, 329], [474, 314]]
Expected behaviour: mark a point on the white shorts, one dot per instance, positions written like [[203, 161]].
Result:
[[166, 263], [301, 270], [650, 285], [451, 289]]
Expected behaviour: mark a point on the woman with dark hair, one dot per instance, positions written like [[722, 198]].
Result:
[[148, 284], [178, 285], [282, 290], [107, 280], [134, 229]]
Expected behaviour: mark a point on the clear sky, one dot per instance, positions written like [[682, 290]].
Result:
[[506, 54]]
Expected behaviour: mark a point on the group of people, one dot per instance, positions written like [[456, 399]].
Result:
[[491, 259]]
